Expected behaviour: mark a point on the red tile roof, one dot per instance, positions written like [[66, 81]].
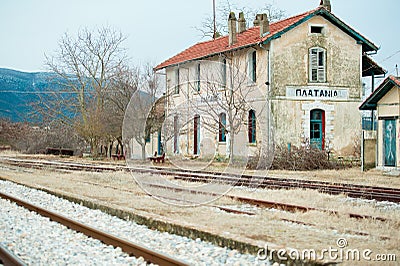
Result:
[[396, 80], [247, 38]]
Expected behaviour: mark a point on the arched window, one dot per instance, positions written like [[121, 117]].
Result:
[[253, 66], [252, 126], [317, 67], [222, 128]]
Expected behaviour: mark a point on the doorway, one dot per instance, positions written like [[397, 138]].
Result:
[[317, 129], [389, 142], [196, 133]]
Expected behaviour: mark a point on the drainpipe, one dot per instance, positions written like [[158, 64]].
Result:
[[372, 90], [268, 83]]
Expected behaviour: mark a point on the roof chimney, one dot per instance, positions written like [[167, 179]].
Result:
[[257, 20], [264, 24], [326, 4], [242, 22], [232, 28]]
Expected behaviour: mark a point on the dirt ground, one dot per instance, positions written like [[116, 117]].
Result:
[[280, 229]]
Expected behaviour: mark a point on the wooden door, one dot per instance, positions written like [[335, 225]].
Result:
[[389, 142]]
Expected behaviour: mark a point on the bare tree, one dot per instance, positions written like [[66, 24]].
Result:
[[206, 28], [85, 67], [124, 86], [220, 88], [143, 115]]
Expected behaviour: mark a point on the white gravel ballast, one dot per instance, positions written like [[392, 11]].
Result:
[[19, 227], [39, 241]]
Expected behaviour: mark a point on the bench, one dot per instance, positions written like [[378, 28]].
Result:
[[158, 159]]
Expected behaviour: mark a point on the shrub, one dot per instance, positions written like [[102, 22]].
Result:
[[302, 159]]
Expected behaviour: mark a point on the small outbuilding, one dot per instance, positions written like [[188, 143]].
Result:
[[386, 101]]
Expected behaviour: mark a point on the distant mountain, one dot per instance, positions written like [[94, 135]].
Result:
[[19, 89]]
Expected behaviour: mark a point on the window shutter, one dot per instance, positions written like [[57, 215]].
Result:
[[321, 74], [177, 85], [313, 65], [321, 65], [317, 65], [198, 77], [254, 67]]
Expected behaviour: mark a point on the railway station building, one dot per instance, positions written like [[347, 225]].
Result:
[[304, 85]]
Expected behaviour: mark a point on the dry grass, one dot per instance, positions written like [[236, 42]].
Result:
[[313, 229], [351, 175]]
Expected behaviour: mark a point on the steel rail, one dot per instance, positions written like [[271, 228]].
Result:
[[352, 190], [270, 204], [8, 258], [125, 245]]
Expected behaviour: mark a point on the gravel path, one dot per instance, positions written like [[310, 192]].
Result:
[[195, 252]]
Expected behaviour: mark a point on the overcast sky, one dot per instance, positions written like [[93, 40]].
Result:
[[158, 29]]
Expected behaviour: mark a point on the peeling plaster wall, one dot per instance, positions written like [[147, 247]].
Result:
[[290, 67]]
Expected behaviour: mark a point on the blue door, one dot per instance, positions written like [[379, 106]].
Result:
[[317, 130], [389, 142], [159, 143]]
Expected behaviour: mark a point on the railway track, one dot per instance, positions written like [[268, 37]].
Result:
[[8, 258], [134, 249], [351, 190]]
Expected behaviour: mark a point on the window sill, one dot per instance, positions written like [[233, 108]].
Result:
[[222, 88], [318, 83], [251, 84], [252, 144]]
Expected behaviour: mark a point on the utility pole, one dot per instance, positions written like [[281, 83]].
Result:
[[215, 23]]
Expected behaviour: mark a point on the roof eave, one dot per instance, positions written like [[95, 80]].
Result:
[[372, 101], [367, 45], [208, 56]]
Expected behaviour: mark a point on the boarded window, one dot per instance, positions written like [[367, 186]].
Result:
[[317, 61]]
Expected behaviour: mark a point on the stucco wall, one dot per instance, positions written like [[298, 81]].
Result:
[[290, 72], [184, 103]]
